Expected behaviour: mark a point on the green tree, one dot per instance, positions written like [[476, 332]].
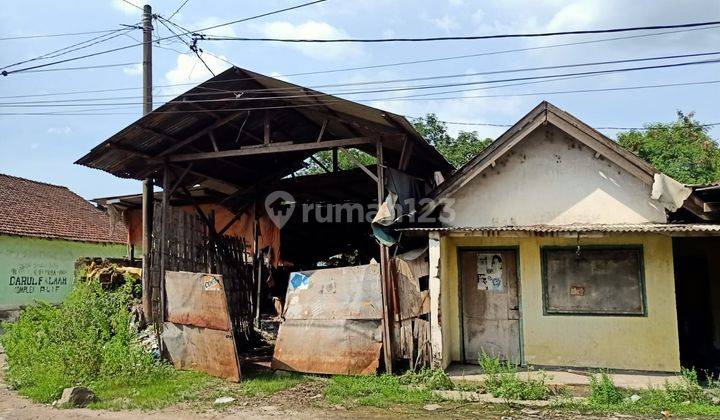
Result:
[[457, 150], [344, 162], [682, 149]]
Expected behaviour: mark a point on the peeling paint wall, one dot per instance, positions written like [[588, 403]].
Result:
[[43, 269], [620, 342], [551, 178]]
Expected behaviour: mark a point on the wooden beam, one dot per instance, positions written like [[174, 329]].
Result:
[[387, 320], [266, 128], [201, 133], [320, 164], [271, 148], [212, 140], [335, 162], [710, 207], [405, 154], [322, 130], [359, 164]]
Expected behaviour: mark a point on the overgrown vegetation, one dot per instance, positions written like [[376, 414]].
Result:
[[682, 149], [686, 397], [81, 341], [378, 391], [457, 150], [502, 381]]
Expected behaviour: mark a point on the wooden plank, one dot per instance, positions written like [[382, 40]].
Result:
[[271, 148], [266, 128], [322, 130], [593, 143], [405, 154], [201, 133], [212, 140], [360, 165]]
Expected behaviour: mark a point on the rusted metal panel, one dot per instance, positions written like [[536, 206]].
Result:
[[197, 333], [332, 322], [202, 349], [339, 346], [196, 299], [335, 293]]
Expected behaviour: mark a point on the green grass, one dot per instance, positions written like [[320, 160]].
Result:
[[266, 383], [686, 398], [378, 391], [156, 391], [174, 387], [503, 381]]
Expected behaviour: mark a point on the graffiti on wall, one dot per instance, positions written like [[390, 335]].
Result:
[[33, 269]]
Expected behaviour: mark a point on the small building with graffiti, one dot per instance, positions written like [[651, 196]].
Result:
[[44, 229]]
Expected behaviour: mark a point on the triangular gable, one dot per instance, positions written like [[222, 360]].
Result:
[[546, 113]]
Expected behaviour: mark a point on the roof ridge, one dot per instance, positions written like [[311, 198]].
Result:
[[35, 182]]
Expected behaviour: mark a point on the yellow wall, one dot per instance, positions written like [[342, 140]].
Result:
[[616, 342]]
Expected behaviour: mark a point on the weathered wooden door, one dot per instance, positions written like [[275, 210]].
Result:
[[489, 304]]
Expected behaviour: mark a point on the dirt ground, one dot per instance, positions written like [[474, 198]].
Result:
[[301, 402]]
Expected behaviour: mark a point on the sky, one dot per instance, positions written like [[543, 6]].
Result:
[[44, 147]]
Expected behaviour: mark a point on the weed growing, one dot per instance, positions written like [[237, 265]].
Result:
[[603, 390], [378, 391], [503, 381], [686, 398], [86, 338]]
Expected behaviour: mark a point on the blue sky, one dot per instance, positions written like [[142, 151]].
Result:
[[45, 147]]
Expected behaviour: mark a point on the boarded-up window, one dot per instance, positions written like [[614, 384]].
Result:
[[599, 281]]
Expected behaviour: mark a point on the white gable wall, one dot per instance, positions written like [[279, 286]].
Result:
[[550, 178]]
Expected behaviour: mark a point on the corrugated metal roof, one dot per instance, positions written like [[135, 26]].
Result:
[[243, 98], [614, 228]]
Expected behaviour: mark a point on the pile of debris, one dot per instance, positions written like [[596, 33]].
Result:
[[110, 273]]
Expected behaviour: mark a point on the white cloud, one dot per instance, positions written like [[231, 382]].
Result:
[[127, 8], [446, 23], [134, 70], [189, 70], [313, 30], [59, 130]]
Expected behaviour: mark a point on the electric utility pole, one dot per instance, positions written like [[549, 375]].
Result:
[[149, 302]]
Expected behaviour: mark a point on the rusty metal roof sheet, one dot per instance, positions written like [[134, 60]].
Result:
[[237, 101], [610, 228]]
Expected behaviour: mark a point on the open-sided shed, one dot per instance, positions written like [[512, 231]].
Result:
[[241, 136]]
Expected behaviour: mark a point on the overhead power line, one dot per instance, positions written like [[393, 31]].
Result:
[[6, 73], [463, 38], [178, 9], [74, 47], [9, 38], [235, 98], [329, 100], [76, 92], [99, 66], [292, 90]]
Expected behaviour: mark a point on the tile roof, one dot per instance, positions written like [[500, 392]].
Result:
[[613, 228], [31, 208]]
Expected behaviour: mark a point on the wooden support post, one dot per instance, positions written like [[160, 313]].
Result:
[[165, 209], [436, 341], [266, 130], [257, 272], [335, 164], [147, 221], [384, 274]]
